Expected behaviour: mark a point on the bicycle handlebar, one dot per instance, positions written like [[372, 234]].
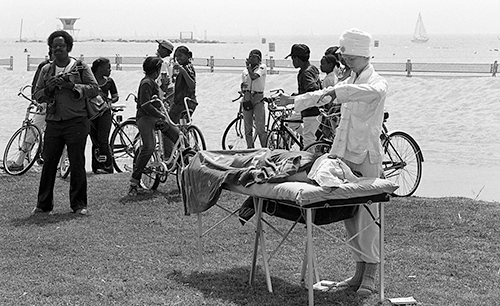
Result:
[[131, 94]]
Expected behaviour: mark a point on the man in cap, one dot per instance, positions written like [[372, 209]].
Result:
[[308, 81], [165, 49], [357, 142]]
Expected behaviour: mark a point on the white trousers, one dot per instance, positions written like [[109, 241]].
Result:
[[367, 241]]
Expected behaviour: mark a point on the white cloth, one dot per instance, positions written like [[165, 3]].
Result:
[[355, 42], [331, 172]]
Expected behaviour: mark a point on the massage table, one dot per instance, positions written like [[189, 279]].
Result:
[[220, 170]]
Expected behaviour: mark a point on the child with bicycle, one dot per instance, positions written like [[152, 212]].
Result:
[[101, 126], [150, 114]]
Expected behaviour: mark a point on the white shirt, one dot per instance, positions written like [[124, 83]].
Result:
[[259, 84], [330, 80]]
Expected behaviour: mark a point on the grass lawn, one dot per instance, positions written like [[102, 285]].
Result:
[[142, 251]]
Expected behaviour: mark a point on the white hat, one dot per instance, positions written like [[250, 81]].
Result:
[[355, 42]]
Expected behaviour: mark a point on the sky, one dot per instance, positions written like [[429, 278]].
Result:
[[212, 19]]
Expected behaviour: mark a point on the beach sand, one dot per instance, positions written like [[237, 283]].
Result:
[[455, 120]]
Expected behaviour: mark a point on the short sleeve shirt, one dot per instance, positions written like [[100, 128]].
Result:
[[259, 84]]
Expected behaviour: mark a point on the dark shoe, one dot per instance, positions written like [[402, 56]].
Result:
[[246, 211], [135, 190]]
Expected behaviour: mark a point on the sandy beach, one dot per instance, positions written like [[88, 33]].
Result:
[[454, 120]]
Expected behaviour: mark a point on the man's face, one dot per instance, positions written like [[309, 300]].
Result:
[[59, 47], [163, 52], [296, 61]]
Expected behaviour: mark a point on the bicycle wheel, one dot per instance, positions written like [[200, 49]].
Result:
[[150, 178], [234, 135], [124, 142], [195, 138], [402, 162], [22, 150], [64, 166], [319, 147]]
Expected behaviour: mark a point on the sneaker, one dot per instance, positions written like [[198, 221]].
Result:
[[82, 211], [15, 167], [37, 210]]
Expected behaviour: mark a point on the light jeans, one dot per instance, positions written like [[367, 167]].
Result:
[[257, 114]]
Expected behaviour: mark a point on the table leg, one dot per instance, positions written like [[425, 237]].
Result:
[[382, 252], [310, 256], [200, 243]]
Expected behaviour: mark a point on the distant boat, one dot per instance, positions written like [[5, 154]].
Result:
[[420, 35]]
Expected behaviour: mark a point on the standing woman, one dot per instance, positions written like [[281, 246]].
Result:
[[101, 126], [64, 84], [184, 77], [185, 83], [253, 84]]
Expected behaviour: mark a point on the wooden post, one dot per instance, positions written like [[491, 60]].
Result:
[[408, 68], [212, 63], [271, 65], [28, 62], [11, 66], [118, 61], [494, 68]]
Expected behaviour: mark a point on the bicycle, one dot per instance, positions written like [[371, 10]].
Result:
[[189, 142], [24, 147], [234, 134], [124, 140], [282, 135], [402, 161]]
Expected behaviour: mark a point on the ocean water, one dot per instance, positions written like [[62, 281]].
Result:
[[392, 48]]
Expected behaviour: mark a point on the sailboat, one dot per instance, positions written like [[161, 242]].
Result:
[[420, 35]]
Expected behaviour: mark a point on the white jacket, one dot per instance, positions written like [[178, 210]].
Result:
[[362, 114]]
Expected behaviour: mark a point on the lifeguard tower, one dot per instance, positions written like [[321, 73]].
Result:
[[69, 25]]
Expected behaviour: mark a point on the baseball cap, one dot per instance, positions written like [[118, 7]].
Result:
[[299, 50], [166, 44]]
